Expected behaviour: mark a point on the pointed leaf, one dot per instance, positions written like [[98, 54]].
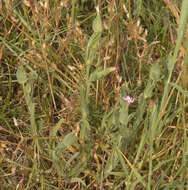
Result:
[[21, 75], [69, 140], [179, 88], [97, 24], [155, 72], [98, 74]]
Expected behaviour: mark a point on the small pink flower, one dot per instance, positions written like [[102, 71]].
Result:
[[104, 25], [115, 68], [128, 99]]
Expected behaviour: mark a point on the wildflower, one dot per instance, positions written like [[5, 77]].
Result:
[[115, 68], [128, 99], [104, 25]]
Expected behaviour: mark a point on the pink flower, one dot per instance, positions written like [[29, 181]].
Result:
[[128, 99], [115, 68], [105, 25]]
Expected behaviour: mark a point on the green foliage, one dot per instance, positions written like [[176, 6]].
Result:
[[21, 75], [28, 93], [66, 121], [100, 73], [155, 72]]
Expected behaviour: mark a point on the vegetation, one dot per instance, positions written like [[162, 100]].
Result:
[[93, 95]]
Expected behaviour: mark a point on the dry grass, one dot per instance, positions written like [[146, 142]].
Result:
[[63, 122]]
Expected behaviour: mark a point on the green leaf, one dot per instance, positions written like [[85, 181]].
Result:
[[54, 130], [85, 129], [56, 127], [97, 24], [155, 72], [179, 88], [170, 64], [28, 88], [93, 42], [73, 157], [92, 46], [83, 104], [21, 75], [98, 74], [78, 180], [148, 92], [123, 164], [68, 140], [123, 117], [135, 171], [111, 163]]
